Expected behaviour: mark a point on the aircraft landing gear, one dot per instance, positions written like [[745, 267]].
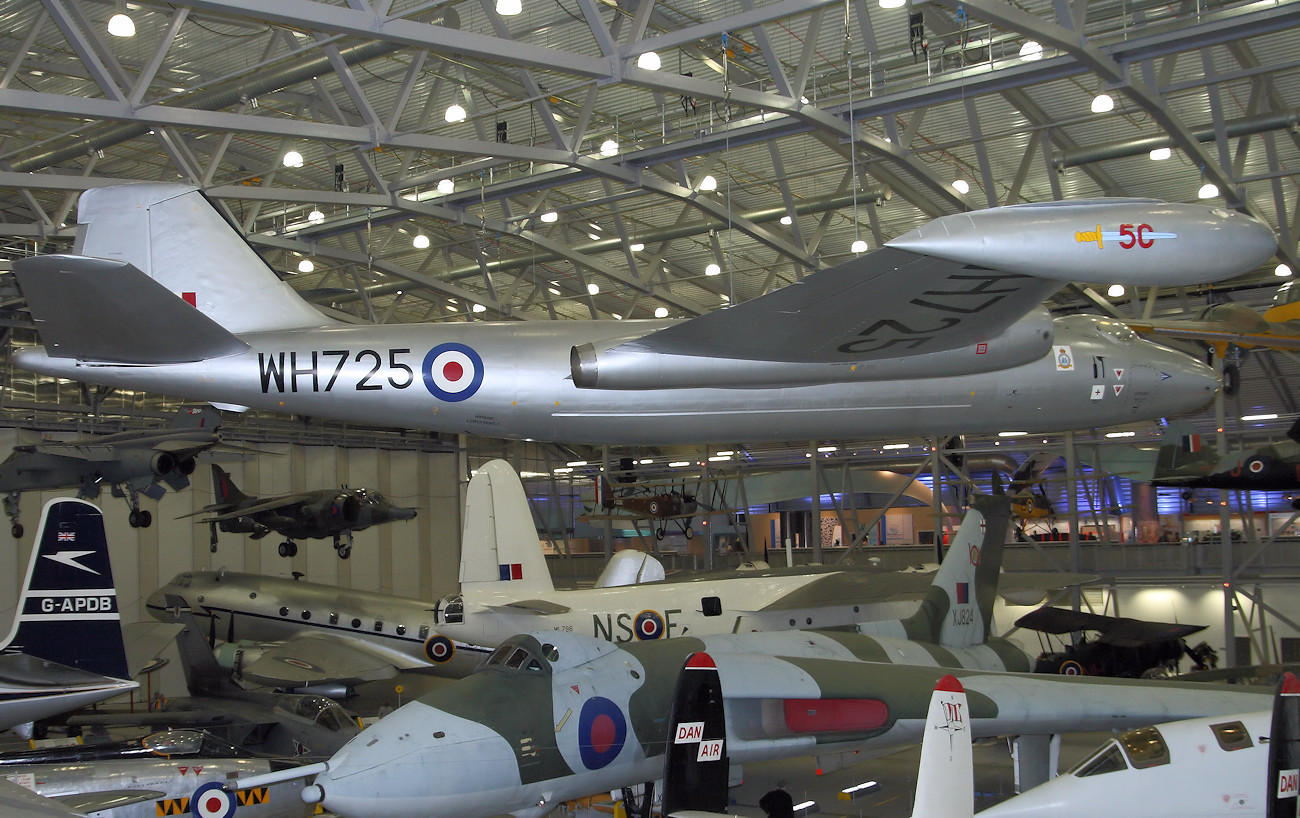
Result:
[[660, 533], [12, 510], [639, 806], [212, 537], [689, 532], [139, 519], [344, 549], [288, 548]]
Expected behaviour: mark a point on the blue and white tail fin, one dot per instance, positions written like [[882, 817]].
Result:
[[500, 549], [945, 781], [68, 612], [957, 611], [174, 235], [695, 759]]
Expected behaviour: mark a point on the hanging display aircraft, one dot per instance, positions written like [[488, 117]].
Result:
[[1123, 647], [65, 649], [133, 463], [506, 588], [589, 716], [310, 514], [905, 339], [657, 503]]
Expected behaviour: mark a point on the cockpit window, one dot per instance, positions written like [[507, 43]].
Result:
[[517, 658], [520, 657], [1116, 331], [1108, 760], [1232, 735], [182, 580], [453, 610], [1145, 747], [174, 743]]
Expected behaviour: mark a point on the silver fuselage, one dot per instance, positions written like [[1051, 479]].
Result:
[[521, 386]]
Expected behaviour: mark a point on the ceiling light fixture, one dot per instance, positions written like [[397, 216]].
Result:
[[1282, 270], [1160, 154], [636, 247], [455, 113], [420, 242], [1103, 104], [892, 4], [713, 269], [786, 220], [1264, 416], [859, 246], [120, 25], [961, 186], [708, 183], [661, 312], [509, 8], [593, 288], [480, 308], [446, 186], [292, 159], [1208, 191], [315, 216], [550, 216], [1115, 290], [649, 61], [609, 147], [1031, 50], [305, 266]]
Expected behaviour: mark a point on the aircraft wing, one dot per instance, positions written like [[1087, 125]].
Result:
[[310, 660], [918, 304], [269, 504], [866, 587], [92, 802], [1277, 336], [1118, 631], [539, 607], [19, 802]]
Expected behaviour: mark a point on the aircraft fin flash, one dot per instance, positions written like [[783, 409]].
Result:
[[68, 612]]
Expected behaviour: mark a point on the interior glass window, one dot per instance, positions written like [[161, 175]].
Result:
[[1232, 735], [1145, 747], [1108, 760]]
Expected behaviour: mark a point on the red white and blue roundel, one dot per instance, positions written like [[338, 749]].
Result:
[[211, 801], [452, 372], [601, 732], [439, 649], [649, 625]]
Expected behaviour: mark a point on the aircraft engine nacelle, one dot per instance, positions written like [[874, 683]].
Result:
[[160, 464], [621, 365], [186, 466]]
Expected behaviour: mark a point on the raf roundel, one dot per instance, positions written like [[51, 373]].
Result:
[[452, 372], [601, 732], [439, 649], [211, 801], [649, 625]]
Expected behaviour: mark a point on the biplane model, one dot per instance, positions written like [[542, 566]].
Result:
[[1123, 647], [659, 503]]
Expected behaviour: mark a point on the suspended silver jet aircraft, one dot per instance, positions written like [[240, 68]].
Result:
[[65, 649], [133, 463], [942, 329]]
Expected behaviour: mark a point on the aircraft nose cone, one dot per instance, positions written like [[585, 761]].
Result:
[[1179, 383]]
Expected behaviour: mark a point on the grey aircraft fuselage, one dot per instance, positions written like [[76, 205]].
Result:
[[515, 380]]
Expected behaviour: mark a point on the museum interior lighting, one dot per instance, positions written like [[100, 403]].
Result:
[[1031, 50], [121, 25], [1208, 191], [292, 159], [961, 186], [315, 216], [892, 4], [786, 220], [305, 266], [649, 61], [420, 242], [859, 246], [636, 247], [1282, 270], [712, 270], [550, 216], [609, 147], [709, 183], [1115, 290], [509, 8], [455, 113], [1103, 103], [593, 289], [661, 312], [1160, 154], [446, 186]]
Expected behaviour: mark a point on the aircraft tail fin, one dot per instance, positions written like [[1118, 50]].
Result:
[[203, 674], [224, 490], [945, 781], [68, 612], [695, 760], [957, 611], [1180, 447], [1284, 749], [174, 235], [500, 548], [196, 417]]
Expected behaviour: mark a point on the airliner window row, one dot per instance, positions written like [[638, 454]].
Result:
[[400, 630]]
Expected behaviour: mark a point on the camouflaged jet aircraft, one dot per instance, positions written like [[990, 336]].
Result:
[[553, 716], [506, 588], [941, 329]]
